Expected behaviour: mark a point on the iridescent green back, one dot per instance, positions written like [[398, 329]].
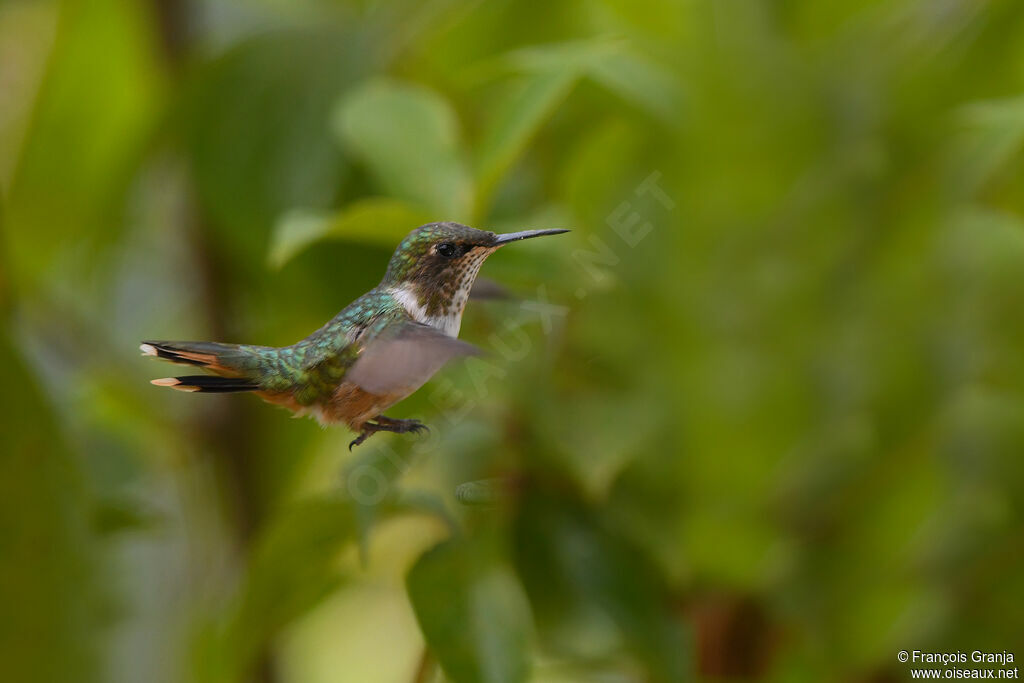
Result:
[[313, 368]]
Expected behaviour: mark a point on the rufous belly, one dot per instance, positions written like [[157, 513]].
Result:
[[350, 404]]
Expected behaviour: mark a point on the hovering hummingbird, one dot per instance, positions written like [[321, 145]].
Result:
[[378, 350]]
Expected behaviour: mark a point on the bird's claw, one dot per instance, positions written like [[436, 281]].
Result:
[[388, 424]]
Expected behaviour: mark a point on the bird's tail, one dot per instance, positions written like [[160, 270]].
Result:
[[235, 364]]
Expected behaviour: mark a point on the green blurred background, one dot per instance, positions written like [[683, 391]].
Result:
[[760, 416]]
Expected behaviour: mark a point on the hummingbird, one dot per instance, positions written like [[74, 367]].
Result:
[[377, 351]]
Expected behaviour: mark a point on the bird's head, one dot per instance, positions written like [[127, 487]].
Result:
[[436, 264]]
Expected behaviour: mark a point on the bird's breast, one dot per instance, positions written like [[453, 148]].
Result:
[[449, 321]]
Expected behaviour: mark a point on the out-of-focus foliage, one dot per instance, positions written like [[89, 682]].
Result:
[[760, 416]]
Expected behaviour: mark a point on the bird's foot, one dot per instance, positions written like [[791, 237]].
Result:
[[368, 430], [387, 424], [391, 424]]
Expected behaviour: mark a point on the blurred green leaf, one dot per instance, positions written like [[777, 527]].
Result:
[[374, 220], [985, 247], [120, 515], [425, 503], [577, 55], [602, 159], [614, 64], [370, 485], [27, 32], [991, 133], [295, 564], [257, 121], [516, 119], [408, 137], [597, 452], [581, 577], [641, 82], [50, 575], [472, 612], [97, 102]]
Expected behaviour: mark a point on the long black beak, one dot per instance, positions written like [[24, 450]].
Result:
[[525, 235]]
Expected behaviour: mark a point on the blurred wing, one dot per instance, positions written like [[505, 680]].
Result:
[[405, 360]]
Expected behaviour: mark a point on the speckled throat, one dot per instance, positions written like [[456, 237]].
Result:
[[438, 298]]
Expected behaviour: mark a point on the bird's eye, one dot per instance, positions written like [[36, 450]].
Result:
[[447, 249]]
